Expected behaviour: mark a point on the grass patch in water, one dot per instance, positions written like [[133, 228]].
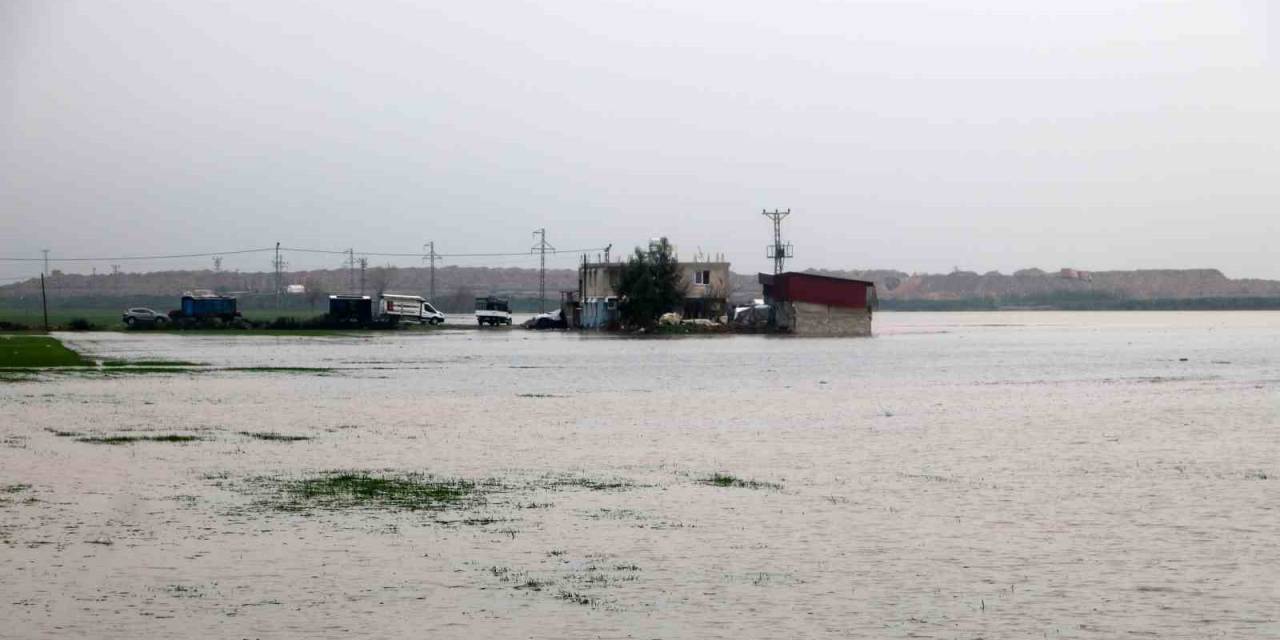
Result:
[[279, 369], [575, 597], [37, 351], [726, 480], [172, 437], [14, 488], [357, 490], [274, 437], [139, 370], [150, 363], [593, 484]]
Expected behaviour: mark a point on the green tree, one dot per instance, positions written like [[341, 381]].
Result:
[[650, 285]]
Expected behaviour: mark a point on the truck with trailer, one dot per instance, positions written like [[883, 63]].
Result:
[[388, 308]]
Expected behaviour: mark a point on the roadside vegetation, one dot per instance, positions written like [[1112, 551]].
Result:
[[26, 357], [38, 352]]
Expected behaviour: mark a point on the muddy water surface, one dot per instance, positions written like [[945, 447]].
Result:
[[1005, 475]]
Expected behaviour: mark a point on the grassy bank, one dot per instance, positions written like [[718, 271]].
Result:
[[39, 352]]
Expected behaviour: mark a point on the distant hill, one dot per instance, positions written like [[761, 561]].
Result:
[[457, 286], [1033, 284]]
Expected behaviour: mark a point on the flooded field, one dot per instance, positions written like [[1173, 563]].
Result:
[[996, 475]]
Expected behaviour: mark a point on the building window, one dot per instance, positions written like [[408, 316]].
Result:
[[702, 277]]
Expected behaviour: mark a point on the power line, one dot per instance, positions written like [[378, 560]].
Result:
[[126, 258], [495, 254], [344, 252]]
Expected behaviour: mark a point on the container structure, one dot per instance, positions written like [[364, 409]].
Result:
[[204, 307], [815, 305]]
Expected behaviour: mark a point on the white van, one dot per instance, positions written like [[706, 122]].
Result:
[[430, 315], [395, 307]]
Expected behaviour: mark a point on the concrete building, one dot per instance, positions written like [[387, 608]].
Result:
[[812, 305], [705, 284]]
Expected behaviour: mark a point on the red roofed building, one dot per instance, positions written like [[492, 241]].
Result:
[[812, 305]]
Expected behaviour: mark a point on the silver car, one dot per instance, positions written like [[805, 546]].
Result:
[[141, 316]]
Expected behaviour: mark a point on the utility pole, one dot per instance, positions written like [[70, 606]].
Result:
[[431, 257], [364, 262], [44, 302], [46, 263], [542, 247], [217, 264], [778, 251], [279, 267], [351, 269]]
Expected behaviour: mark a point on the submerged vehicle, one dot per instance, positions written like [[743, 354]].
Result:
[[549, 320], [493, 311]]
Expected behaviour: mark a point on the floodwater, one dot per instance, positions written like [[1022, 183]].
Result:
[[965, 475]]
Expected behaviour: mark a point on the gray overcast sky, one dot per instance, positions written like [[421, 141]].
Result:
[[919, 135]]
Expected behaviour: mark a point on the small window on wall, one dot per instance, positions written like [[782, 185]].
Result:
[[702, 277]]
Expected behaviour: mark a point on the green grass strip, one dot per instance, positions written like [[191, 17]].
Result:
[[37, 351]]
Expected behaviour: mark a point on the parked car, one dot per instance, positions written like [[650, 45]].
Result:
[[492, 311], [142, 316], [548, 320]]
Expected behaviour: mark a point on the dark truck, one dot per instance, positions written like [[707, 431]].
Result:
[[351, 309], [493, 311]]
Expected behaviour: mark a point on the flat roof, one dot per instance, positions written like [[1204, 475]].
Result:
[[767, 278]]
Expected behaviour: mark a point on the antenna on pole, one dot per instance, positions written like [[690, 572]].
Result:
[[430, 250], [778, 251], [542, 247]]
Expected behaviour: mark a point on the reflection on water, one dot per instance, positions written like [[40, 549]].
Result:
[[960, 475]]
